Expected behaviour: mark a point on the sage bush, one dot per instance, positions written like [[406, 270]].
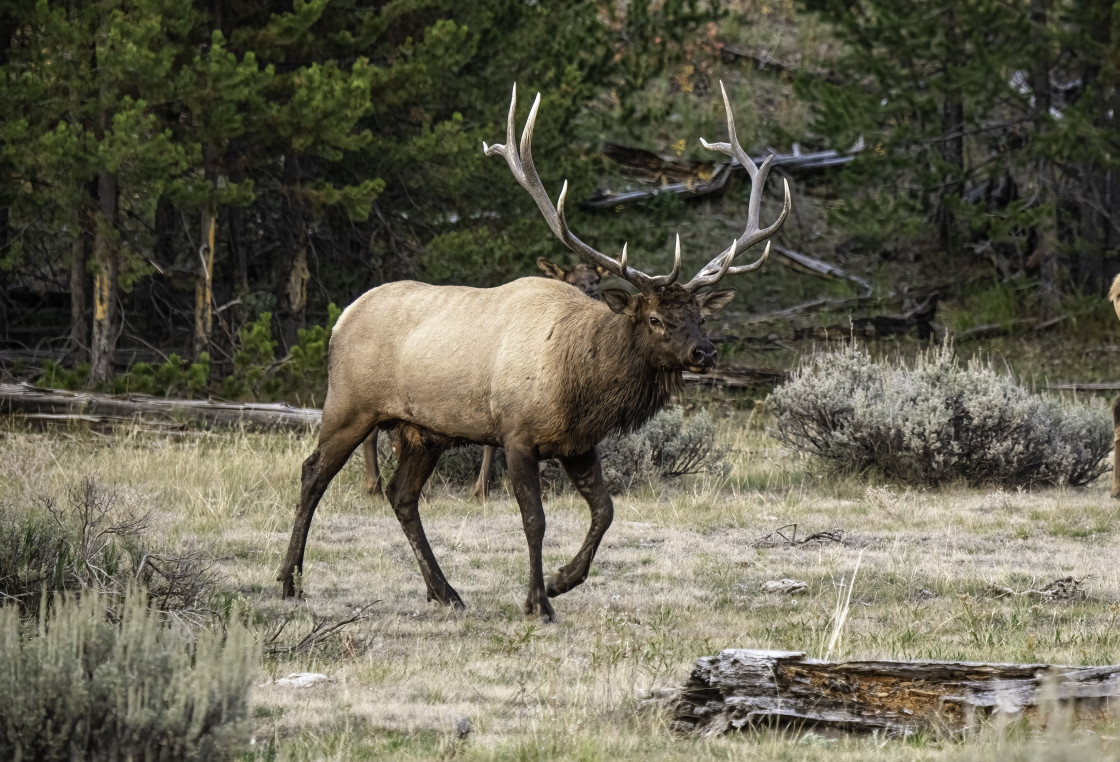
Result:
[[92, 681], [936, 421], [97, 540]]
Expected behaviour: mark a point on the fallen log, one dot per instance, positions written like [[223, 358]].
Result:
[[23, 402], [738, 377], [1101, 386], [919, 319], [740, 688]]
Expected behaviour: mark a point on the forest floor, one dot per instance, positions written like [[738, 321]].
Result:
[[934, 575]]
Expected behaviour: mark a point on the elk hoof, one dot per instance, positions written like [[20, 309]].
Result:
[[541, 608], [448, 597]]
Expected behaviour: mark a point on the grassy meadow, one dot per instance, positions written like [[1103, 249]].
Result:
[[941, 575]]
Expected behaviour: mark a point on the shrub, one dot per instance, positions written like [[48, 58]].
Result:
[[95, 541], [666, 447], [937, 422], [87, 685]]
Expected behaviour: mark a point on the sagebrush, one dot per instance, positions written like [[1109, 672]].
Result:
[[936, 421], [86, 683], [96, 540]]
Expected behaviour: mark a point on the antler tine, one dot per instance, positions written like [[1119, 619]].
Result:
[[732, 147], [520, 161], [720, 266]]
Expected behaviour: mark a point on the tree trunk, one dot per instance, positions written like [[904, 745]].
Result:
[[204, 289], [106, 257], [79, 317], [1047, 252], [952, 153]]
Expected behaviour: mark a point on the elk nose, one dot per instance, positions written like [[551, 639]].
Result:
[[704, 355]]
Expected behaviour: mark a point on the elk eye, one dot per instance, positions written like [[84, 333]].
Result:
[[655, 322]]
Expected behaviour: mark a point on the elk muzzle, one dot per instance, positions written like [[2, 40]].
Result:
[[702, 357]]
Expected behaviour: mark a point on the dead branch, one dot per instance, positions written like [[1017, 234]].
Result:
[[778, 537]]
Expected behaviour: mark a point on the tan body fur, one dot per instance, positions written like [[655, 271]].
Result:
[[584, 277], [502, 382]]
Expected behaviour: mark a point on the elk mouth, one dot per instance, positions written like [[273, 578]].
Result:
[[700, 370]]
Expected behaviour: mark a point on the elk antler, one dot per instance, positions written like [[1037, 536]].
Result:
[[715, 270], [521, 164]]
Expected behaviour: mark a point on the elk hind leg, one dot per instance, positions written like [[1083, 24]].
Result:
[[1116, 445], [417, 460], [336, 442], [587, 476]]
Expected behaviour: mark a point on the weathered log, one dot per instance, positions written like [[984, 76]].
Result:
[[1101, 386], [919, 319], [738, 377], [990, 330], [808, 264], [739, 688], [23, 402]]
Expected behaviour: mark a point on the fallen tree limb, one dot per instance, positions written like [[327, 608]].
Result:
[[740, 688], [104, 411], [817, 267]]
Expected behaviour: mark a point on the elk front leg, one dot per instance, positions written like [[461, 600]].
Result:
[[413, 469], [587, 476], [524, 472], [335, 445], [482, 485], [1116, 448]]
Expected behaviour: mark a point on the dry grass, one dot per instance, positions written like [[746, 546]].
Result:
[[678, 577]]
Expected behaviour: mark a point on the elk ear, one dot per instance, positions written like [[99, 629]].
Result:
[[550, 269], [620, 301], [714, 301]]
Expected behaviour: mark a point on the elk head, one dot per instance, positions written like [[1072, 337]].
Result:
[[666, 316], [584, 277]]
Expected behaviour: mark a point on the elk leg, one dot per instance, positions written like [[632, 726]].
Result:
[[373, 473], [335, 446], [1116, 447], [413, 469], [587, 475], [482, 485], [524, 471]]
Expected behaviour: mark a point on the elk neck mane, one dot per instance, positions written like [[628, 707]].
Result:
[[609, 386]]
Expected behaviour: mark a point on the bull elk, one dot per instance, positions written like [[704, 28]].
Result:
[[584, 277], [1114, 297], [547, 374]]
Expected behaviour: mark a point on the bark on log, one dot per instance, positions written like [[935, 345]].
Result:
[[23, 402], [739, 688]]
